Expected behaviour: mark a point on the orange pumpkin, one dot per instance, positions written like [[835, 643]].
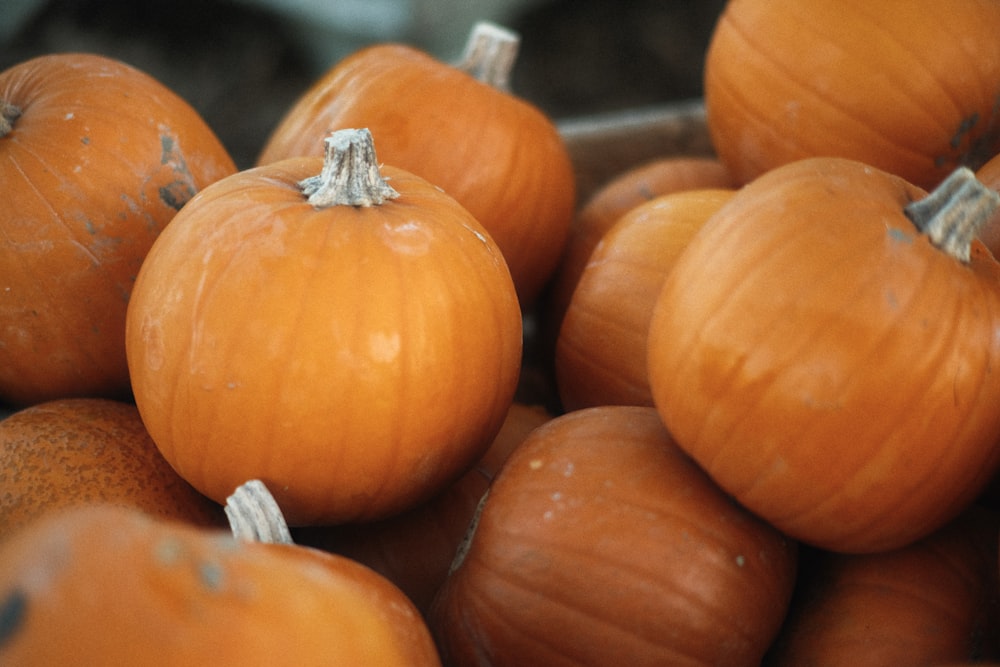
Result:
[[356, 347], [414, 550], [932, 602], [107, 585], [614, 199], [600, 355], [825, 346], [601, 543], [908, 86], [459, 127], [75, 451], [95, 158]]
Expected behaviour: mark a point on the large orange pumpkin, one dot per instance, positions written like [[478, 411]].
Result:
[[356, 348], [76, 451], [601, 543], [830, 365], [108, 585], [95, 158], [461, 128], [909, 86]]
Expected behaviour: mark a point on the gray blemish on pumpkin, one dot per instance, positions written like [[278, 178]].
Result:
[[13, 612], [211, 575], [897, 234], [176, 194]]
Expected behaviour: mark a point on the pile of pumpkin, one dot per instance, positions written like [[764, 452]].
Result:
[[777, 369]]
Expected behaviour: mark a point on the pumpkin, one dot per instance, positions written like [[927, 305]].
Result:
[[614, 199], [461, 128], [929, 603], [414, 549], [75, 451], [106, 585], [353, 345], [599, 542], [910, 87], [824, 348], [600, 355], [95, 158]]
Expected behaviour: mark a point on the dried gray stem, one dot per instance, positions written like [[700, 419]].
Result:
[[254, 515], [350, 174]]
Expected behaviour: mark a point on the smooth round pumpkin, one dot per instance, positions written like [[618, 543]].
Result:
[[356, 357], [600, 542], [908, 86], [75, 451], [113, 586], [614, 199], [828, 363], [461, 128], [415, 549], [96, 157], [600, 355], [932, 602]]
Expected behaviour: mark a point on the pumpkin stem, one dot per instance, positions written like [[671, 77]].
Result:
[[490, 54], [254, 515], [8, 114], [350, 175], [953, 212]]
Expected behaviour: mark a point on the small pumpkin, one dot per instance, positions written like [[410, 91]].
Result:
[[95, 158], [932, 602], [600, 542], [353, 344], [614, 199], [75, 451], [600, 355], [414, 549], [907, 86], [460, 127], [825, 346], [107, 585]]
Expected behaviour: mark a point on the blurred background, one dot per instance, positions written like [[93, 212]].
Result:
[[241, 63]]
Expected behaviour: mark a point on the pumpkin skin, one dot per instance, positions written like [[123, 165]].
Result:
[[614, 199], [75, 451], [600, 355], [826, 363], [414, 550], [601, 543], [108, 585], [886, 83], [99, 159], [932, 602], [505, 162], [356, 359]]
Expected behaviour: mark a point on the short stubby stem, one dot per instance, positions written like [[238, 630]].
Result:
[[952, 214], [490, 54], [8, 114], [254, 515], [350, 174]]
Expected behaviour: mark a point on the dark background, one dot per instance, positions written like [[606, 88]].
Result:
[[241, 66]]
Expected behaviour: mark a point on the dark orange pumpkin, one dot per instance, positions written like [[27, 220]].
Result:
[[600, 355], [601, 543], [356, 348], [76, 451], [614, 199], [95, 158], [459, 127], [827, 362], [414, 550], [107, 585], [932, 602], [908, 86]]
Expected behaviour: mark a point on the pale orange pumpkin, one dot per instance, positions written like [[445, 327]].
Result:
[[355, 346]]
